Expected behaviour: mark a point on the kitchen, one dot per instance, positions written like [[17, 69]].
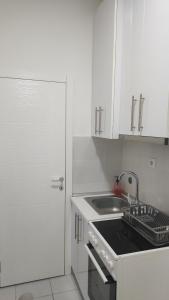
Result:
[[119, 113]]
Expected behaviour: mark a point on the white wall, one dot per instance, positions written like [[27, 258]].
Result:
[[44, 38], [95, 163]]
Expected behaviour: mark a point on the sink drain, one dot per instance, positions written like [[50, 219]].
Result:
[[27, 296]]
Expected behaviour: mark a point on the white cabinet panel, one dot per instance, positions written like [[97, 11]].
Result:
[[154, 67], [103, 110], [79, 254], [145, 72]]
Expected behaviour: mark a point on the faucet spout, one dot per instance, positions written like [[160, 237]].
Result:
[[131, 173]]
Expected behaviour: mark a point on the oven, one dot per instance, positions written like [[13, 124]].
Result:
[[101, 285]]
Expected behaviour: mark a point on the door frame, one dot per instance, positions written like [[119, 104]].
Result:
[[68, 171], [66, 79]]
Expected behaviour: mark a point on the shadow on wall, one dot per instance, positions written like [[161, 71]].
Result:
[[95, 163]]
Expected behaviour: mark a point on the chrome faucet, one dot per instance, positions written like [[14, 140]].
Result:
[[136, 179]]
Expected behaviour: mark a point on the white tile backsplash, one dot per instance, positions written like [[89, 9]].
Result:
[[154, 182], [95, 163]]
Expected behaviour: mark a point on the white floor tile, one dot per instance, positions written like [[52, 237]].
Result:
[[7, 293], [63, 284], [37, 289], [72, 295]]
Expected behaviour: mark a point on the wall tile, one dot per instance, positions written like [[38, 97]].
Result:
[[154, 182], [95, 163]]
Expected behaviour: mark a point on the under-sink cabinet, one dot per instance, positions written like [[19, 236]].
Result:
[[79, 255], [130, 69]]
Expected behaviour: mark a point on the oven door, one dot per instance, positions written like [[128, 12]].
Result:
[[101, 286]]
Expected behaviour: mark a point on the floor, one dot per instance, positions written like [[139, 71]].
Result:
[[60, 288]]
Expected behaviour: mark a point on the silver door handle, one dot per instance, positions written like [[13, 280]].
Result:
[[59, 182], [76, 216], [133, 127], [100, 119], [103, 277], [96, 120], [140, 121], [79, 235]]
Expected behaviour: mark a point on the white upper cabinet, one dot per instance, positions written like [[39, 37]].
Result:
[[144, 90], [131, 69], [104, 120]]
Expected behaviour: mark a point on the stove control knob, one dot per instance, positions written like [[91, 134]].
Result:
[[110, 264], [103, 254], [90, 234], [107, 258], [95, 241]]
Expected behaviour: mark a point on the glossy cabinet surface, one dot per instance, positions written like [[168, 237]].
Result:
[[144, 91], [79, 254], [130, 69], [104, 52]]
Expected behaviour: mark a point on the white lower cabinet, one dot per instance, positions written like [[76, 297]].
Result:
[[79, 254]]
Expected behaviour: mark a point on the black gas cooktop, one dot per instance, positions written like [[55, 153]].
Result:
[[121, 237]]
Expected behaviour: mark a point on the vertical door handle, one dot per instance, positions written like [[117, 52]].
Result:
[[96, 119], [79, 231], [133, 105], [76, 226], [100, 119], [78, 238], [140, 121]]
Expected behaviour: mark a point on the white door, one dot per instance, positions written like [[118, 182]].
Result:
[[32, 157]]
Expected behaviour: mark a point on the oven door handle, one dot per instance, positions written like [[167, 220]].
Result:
[[103, 277]]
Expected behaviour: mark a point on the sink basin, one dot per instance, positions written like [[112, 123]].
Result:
[[104, 205]]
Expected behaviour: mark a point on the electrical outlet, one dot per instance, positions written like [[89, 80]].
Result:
[[152, 163]]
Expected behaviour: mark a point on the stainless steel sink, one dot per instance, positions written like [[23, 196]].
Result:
[[104, 205]]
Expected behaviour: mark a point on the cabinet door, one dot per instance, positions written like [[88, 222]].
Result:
[[103, 70], [74, 248], [79, 254], [129, 30], [154, 68], [82, 257]]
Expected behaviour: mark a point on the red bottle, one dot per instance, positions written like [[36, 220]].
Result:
[[117, 188]]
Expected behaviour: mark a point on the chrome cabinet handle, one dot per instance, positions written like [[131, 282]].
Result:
[[99, 270], [96, 120], [76, 226], [79, 235], [100, 119], [133, 127], [140, 121]]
